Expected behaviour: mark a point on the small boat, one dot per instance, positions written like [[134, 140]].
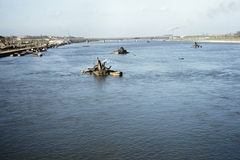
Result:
[[12, 55], [115, 52], [44, 50], [115, 73], [37, 54]]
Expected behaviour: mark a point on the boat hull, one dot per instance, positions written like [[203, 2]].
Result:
[[116, 73], [37, 54]]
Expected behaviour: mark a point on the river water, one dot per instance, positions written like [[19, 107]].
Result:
[[161, 108]]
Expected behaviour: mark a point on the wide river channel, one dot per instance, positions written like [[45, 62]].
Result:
[[172, 102]]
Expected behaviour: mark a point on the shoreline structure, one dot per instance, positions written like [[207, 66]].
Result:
[[53, 41], [213, 39], [27, 44]]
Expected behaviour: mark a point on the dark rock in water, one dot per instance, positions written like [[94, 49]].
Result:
[[195, 45], [121, 50]]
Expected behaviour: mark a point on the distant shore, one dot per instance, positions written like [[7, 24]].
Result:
[[213, 39], [219, 41], [210, 41]]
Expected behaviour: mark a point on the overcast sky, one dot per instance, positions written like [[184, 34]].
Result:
[[118, 18]]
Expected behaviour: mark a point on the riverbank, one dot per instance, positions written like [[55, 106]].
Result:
[[213, 39], [219, 41], [19, 45]]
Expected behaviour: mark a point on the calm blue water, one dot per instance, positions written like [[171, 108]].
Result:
[[162, 107]]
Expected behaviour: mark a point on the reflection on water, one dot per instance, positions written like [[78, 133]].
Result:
[[162, 107], [100, 79]]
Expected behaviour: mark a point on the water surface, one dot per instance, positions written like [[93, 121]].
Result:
[[162, 107]]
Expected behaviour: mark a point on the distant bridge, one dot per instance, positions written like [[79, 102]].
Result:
[[128, 38]]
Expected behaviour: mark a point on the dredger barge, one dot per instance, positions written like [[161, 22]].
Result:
[[100, 69]]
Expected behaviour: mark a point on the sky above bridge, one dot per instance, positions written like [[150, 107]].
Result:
[[118, 18]]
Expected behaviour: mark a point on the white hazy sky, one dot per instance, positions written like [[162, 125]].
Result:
[[118, 18]]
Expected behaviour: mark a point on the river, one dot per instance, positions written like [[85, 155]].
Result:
[[162, 107]]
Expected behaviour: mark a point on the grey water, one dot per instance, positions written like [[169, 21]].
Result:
[[161, 108]]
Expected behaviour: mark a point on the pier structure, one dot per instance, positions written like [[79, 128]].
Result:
[[26, 46], [21, 51]]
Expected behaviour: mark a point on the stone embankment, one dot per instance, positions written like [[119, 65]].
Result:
[[12, 46]]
